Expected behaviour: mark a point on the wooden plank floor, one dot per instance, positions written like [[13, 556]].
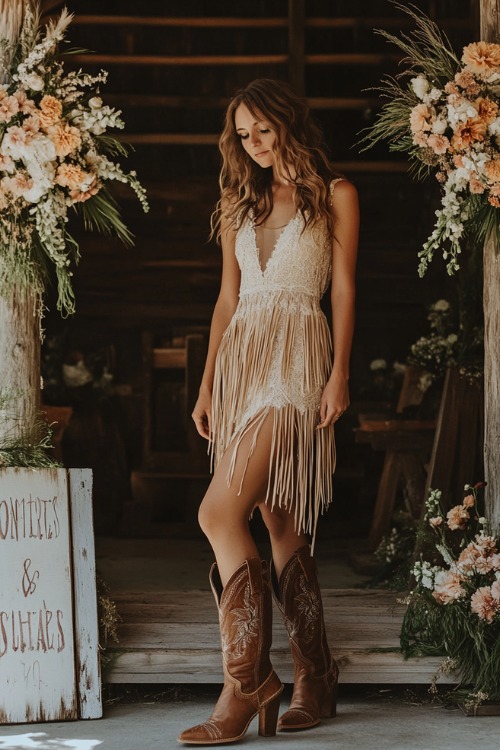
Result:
[[173, 637]]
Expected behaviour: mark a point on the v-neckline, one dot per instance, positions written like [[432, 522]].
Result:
[[275, 247]]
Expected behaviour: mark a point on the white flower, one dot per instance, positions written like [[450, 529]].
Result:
[[494, 127], [40, 148], [378, 364], [434, 94], [76, 375], [452, 338], [441, 305], [33, 81], [439, 125], [420, 86], [95, 102]]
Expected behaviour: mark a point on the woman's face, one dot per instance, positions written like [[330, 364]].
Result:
[[257, 136]]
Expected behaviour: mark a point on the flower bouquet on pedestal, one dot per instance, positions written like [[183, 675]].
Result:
[[444, 113], [454, 607], [56, 158]]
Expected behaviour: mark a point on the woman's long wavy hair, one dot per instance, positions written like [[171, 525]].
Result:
[[300, 155]]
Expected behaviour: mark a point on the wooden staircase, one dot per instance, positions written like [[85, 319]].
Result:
[[173, 637]]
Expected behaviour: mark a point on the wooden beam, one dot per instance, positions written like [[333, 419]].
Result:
[[296, 42], [220, 102], [490, 32], [189, 22], [177, 60], [350, 58]]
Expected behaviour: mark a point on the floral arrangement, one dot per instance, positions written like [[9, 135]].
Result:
[[444, 112], [454, 608], [453, 341], [437, 351], [55, 155]]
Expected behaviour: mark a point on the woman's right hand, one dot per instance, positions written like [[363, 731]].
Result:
[[202, 414]]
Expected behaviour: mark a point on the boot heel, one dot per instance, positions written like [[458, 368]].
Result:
[[268, 717], [329, 704]]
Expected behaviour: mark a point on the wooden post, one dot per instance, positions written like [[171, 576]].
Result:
[[296, 27], [490, 32], [19, 318], [19, 362]]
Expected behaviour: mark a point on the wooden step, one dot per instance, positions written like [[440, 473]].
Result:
[[173, 637]]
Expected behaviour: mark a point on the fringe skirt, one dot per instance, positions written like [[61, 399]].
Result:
[[275, 358]]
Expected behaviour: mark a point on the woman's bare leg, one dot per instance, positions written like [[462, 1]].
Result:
[[225, 510], [284, 538]]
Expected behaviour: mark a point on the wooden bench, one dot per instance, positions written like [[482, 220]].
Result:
[[407, 444]]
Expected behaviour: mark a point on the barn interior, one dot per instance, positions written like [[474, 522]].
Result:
[[124, 370]]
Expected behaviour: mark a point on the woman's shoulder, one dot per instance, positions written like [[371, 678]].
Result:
[[341, 185], [342, 192]]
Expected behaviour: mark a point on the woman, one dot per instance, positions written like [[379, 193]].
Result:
[[268, 400]]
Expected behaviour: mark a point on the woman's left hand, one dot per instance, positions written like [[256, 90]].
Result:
[[334, 401]]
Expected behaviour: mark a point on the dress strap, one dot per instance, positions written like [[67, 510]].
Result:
[[332, 186]]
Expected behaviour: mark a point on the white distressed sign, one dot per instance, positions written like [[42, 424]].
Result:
[[37, 660]]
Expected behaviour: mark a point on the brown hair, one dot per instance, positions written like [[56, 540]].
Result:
[[299, 151]]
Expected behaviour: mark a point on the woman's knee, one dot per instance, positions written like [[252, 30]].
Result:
[[279, 521]]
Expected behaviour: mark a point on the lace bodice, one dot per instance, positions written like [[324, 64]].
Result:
[[300, 261]]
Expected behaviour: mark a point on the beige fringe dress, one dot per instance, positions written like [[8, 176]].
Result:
[[275, 357]]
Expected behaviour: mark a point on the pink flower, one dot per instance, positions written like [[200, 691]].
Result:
[[9, 106], [65, 138], [469, 501], [495, 590], [457, 518], [467, 558], [26, 106], [495, 561], [486, 543], [484, 604], [438, 143], [436, 521], [18, 185], [447, 587], [419, 118], [477, 188], [483, 564]]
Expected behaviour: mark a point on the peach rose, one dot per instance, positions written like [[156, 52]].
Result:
[[65, 138], [436, 521], [419, 118], [51, 111], [484, 604], [476, 186], [495, 561], [482, 58], [457, 518], [26, 106], [467, 558], [438, 143], [19, 184], [70, 176], [466, 81], [492, 169], [79, 195], [9, 106], [487, 110], [468, 132], [447, 587]]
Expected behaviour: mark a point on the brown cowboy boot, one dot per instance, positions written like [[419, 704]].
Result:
[[316, 673], [251, 686]]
